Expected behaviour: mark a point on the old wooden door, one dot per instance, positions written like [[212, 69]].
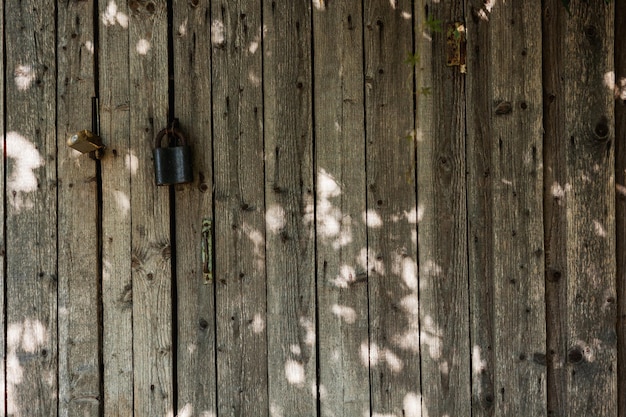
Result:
[[400, 208]]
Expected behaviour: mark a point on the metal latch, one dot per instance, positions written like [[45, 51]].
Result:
[[87, 141], [207, 250], [455, 45]]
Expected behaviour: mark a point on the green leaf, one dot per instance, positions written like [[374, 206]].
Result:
[[434, 25], [426, 91], [413, 59]]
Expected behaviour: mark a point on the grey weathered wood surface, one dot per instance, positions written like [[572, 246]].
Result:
[[480, 211], [31, 210], [442, 232], [341, 237], [619, 90], [149, 210], [391, 208], [195, 307], [289, 199], [333, 171], [3, 246], [117, 288], [580, 203], [505, 192], [78, 294], [241, 305]]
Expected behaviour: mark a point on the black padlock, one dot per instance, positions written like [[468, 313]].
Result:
[[172, 165]]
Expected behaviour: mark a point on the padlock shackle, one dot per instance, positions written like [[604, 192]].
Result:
[[180, 138]]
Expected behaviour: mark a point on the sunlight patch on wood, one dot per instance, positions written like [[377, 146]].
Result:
[[309, 328], [430, 336], [347, 314], [218, 34], [89, 46], [294, 372], [111, 16], [182, 28], [319, 4], [22, 179], [143, 46], [26, 337], [24, 77], [132, 163], [275, 218], [372, 219], [478, 364], [258, 324], [123, 201], [347, 275], [412, 405]]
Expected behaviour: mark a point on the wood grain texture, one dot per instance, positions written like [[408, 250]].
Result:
[[620, 197], [480, 210], [290, 254], [31, 204], [341, 237], [580, 209], [150, 212], [117, 288], [505, 184], [78, 323], [196, 369], [239, 209], [391, 209], [442, 231], [3, 246]]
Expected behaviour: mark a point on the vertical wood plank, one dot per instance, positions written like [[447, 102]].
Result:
[[3, 246], [31, 201], [444, 298], [79, 365], [620, 201], [391, 209], [196, 371], [150, 214], [505, 192], [579, 209], [239, 208], [117, 163], [290, 259], [341, 238]]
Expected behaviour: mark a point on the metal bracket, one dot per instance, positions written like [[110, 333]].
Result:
[[88, 141], [207, 250], [456, 45]]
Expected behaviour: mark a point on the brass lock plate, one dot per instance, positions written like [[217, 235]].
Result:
[[455, 46]]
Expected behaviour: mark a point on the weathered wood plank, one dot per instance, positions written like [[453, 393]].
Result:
[[239, 208], [619, 89], [31, 203], [150, 212], [341, 237], [442, 231], [290, 255], [117, 165], [78, 323], [505, 192], [391, 209], [579, 209], [196, 372], [3, 246]]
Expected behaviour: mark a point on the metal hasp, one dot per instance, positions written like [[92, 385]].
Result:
[[173, 164], [207, 250], [87, 141], [455, 45]]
